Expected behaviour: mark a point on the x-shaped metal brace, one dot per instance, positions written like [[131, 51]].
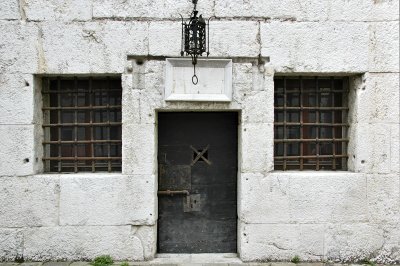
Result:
[[200, 154]]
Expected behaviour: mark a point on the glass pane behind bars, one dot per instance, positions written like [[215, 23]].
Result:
[[82, 124], [310, 123]]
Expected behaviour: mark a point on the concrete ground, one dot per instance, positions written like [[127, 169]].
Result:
[[224, 259], [155, 262]]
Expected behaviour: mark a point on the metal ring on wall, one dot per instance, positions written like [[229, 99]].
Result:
[[195, 79]]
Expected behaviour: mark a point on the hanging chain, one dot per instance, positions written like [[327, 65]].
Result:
[[195, 79]]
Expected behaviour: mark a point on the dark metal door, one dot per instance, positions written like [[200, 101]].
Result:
[[197, 177]]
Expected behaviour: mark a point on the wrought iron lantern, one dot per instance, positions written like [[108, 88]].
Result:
[[195, 38]]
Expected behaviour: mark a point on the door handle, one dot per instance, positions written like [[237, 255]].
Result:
[[172, 192]]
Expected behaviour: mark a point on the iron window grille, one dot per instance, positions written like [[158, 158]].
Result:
[[310, 128], [82, 124]]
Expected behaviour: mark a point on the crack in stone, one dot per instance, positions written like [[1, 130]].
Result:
[[90, 35], [137, 235], [277, 246], [42, 67], [258, 37], [22, 6]]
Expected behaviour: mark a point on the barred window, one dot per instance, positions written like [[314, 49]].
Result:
[[82, 124], [310, 129]]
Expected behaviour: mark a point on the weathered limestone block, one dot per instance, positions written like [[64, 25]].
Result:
[[390, 251], [107, 199], [240, 91], [83, 243], [239, 38], [138, 110], [234, 39], [9, 9], [372, 147], [383, 198], [29, 201], [360, 10], [41, 10], [316, 47], [154, 78], [264, 199], [281, 242], [258, 106], [92, 47], [148, 235], [141, 100], [303, 197], [162, 33], [149, 9], [343, 10], [310, 10], [139, 104], [139, 149], [287, 9], [16, 99], [130, 113], [353, 242], [17, 150], [377, 101], [11, 241], [242, 74], [18, 47], [138, 73], [384, 46], [150, 100], [328, 197], [384, 10], [250, 79], [257, 147], [395, 148]]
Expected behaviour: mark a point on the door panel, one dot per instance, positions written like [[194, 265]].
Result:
[[197, 155]]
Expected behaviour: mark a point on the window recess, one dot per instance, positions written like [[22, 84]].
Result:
[[82, 124], [310, 128]]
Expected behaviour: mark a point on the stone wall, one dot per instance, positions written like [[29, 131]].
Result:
[[325, 215]]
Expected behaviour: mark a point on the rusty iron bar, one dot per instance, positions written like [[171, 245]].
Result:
[[333, 121], [284, 123], [317, 119], [310, 140], [78, 91], [80, 158], [73, 108], [75, 127], [310, 156], [301, 121], [311, 124], [310, 91], [310, 108], [172, 192], [59, 121], [83, 124], [81, 141], [108, 128]]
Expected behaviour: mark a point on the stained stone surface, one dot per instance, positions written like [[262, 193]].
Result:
[[342, 216]]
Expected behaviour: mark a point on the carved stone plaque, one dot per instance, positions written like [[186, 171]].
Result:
[[214, 80]]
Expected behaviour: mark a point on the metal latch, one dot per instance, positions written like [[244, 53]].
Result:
[[192, 203]]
